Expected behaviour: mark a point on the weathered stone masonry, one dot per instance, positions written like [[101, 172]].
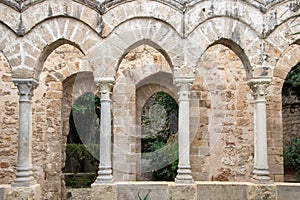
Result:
[[224, 49]]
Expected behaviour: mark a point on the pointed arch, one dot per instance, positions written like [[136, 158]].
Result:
[[105, 58], [50, 34], [229, 32]]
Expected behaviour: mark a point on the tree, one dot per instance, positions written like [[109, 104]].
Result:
[[291, 85]]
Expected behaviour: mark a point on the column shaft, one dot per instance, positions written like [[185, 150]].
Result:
[[184, 168], [24, 175], [261, 169], [105, 169]]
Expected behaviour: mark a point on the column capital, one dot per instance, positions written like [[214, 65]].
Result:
[[183, 80], [259, 86], [105, 84], [25, 87], [183, 83]]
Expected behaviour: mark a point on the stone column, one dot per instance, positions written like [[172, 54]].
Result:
[[261, 169], [184, 168], [24, 175], [105, 170]]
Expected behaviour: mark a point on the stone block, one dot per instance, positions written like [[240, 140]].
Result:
[[20, 193], [262, 191], [156, 190], [182, 192], [103, 191], [221, 190], [2, 191], [288, 191]]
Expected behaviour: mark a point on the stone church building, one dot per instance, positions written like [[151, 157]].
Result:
[[223, 61]]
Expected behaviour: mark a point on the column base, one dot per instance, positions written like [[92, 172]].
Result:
[[19, 193], [184, 175], [104, 175], [24, 179], [261, 176]]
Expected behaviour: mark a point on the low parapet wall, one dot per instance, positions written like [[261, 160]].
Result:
[[198, 190], [172, 191]]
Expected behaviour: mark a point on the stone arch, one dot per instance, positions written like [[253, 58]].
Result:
[[226, 120], [278, 41], [147, 87], [288, 59], [50, 48], [148, 43], [149, 31], [125, 11], [50, 117], [47, 11], [8, 46], [50, 34], [74, 87], [229, 32], [142, 62]]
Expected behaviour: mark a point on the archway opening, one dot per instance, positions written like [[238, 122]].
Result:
[[159, 142], [81, 164], [222, 145], [291, 124]]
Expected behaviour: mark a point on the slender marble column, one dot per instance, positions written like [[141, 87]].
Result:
[[24, 175], [184, 168], [261, 169], [105, 170]]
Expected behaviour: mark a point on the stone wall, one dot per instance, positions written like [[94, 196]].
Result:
[[225, 143], [199, 190], [9, 124], [290, 119]]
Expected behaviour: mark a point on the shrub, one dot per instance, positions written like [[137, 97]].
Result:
[[291, 156]]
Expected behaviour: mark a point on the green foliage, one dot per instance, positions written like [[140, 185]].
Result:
[[79, 180], [87, 104], [167, 101], [71, 182], [145, 198], [291, 85], [78, 153], [161, 139], [291, 156], [163, 156], [85, 117]]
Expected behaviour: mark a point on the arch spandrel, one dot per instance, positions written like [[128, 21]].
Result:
[[9, 16], [45, 10], [141, 9], [6, 38], [239, 10]]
